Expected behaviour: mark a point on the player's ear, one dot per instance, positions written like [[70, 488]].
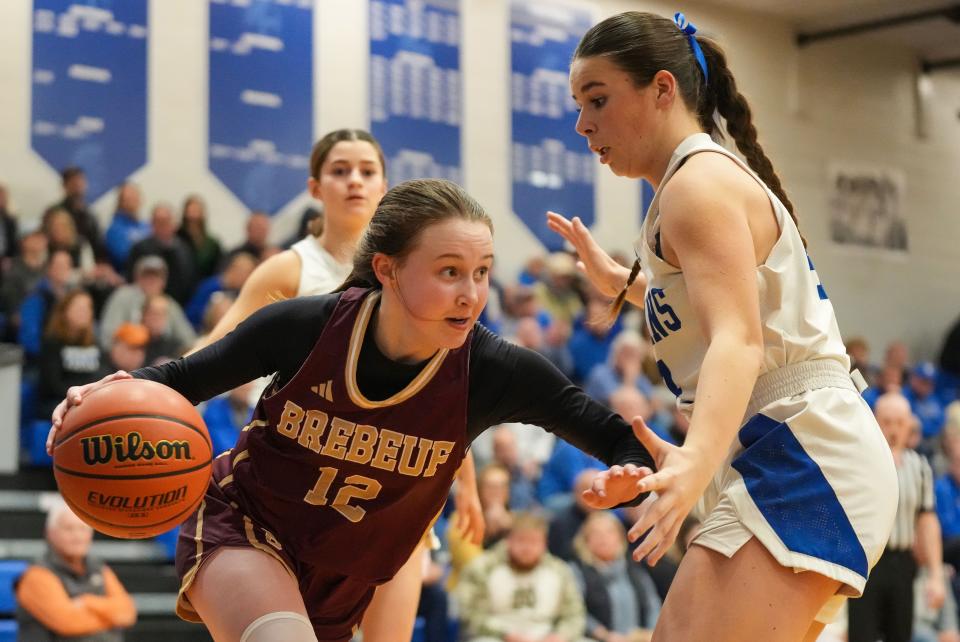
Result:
[[384, 267]]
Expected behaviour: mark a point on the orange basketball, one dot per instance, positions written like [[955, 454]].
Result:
[[133, 459]]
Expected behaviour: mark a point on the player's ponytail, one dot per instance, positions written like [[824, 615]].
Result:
[[402, 215], [722, 96]]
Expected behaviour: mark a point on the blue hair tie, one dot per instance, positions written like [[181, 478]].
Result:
[[688, 28]]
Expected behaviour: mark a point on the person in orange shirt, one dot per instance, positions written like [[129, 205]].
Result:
[[67, 593]]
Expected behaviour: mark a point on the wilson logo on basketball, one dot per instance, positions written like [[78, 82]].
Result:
[[131, 447]]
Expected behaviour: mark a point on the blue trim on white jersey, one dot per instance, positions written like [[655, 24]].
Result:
[[793, 495]]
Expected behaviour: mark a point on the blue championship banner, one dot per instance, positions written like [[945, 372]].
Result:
[[261, 98], [552, 167], [89, 103], [415, 87]]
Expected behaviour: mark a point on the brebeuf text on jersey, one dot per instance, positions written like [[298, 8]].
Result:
[[381, 448]]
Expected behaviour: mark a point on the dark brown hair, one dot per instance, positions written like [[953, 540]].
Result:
[[641, 44], [402, 215], [323, 146]]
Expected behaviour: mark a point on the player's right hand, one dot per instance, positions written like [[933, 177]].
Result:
[[75, 395], [607, 275]]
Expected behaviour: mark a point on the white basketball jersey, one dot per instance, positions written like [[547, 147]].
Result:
[[797, 317], [320, 273]]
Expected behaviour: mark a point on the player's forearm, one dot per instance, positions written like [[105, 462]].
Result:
[[727, 377]]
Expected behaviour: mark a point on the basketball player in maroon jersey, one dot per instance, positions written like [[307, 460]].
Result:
[[380, 388]]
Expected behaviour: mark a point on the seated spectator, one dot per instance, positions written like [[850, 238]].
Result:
[[530, 334], [238, 268], [924, 402], [67, 593], [218, 306], [560, 471], [21, 278], [62, 235], [859, 352], [163, 345], [621, 599], [493, 489], [126, 303], [126, 229], [128, 350], [566, 521], [622, 367], [164, 243], [897, 356], [557, 293], [592, 337], [518, 592], [207, 252], [889, 379], [69, 355], [226, 416], [533, 270], [629, 402], [519, 302], [74, 182], [257, 241], [522, 472], [59, 278]]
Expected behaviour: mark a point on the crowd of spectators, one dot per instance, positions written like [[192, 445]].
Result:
[[82, 303]]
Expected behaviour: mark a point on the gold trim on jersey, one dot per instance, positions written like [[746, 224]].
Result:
[[256, 423], [183, 607], [353, 355], [260, 546]]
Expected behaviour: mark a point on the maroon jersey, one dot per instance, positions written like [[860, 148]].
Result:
[[343, 482]]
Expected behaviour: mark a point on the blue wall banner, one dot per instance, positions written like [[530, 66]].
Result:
[[415, 87], [89, 103], [552, 167], [261, 98]]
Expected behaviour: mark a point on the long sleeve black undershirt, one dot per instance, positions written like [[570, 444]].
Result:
[[507, 383]]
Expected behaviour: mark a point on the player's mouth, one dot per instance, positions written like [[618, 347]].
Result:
[[460, 323], [356, 197], [601, 150]]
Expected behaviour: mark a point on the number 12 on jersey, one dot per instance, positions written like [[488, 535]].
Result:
[[354, 486]]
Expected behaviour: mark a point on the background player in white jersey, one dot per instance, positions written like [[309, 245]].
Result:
[[348, 176], [798, 485]]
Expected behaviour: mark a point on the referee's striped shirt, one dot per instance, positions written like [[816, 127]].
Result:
[[916, 496]]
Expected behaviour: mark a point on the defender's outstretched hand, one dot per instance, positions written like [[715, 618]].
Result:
[[606, 274], [676, 487]]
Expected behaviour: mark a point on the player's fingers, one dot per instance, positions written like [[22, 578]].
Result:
[[671, 536], [599, 485], [652, 511]]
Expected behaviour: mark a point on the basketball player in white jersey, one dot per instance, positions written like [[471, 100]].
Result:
[[347, 175], [798, 485]]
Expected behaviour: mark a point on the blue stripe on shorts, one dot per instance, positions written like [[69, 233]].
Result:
[[794, 497]]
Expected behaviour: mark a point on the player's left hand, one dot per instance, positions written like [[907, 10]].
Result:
[[615, 486], [676, 487], [470, 521]]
